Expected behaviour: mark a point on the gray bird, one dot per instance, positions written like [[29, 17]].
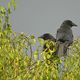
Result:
[[64, 36]]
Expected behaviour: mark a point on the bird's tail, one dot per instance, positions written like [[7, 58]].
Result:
[[61, 50]]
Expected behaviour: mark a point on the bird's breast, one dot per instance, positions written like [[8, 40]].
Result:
[[64, 34]]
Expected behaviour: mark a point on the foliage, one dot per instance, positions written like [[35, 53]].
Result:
[[19, 60]]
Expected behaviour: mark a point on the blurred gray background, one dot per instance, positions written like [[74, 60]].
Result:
[[40, 16]]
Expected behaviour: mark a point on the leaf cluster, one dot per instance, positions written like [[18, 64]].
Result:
[[19, 60]]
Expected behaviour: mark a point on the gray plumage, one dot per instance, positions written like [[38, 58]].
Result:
[[64, 36]]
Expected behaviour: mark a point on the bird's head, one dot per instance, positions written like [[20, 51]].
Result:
[[47, 36], [69, 23]]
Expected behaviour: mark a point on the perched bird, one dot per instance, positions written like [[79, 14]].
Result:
[[64, 36], [47, 36], [51, 48]]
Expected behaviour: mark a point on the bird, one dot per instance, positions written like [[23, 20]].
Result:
[[47, 36], [64, 37], [49, 39]]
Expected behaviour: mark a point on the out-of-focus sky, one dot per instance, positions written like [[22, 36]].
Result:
[[40, 16]]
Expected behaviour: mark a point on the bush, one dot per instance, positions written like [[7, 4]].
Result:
[[19, 60]]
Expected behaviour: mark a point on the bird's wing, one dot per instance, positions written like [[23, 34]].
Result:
[[65, 35], [60, 34]]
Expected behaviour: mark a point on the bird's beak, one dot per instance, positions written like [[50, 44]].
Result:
[[73, 24]]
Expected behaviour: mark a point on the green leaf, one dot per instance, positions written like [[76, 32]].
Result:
[[9, 5], [32, 36], [9, 11], [13, 3], [38, 62], [2, 11], [41, 41], [35, 54]]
